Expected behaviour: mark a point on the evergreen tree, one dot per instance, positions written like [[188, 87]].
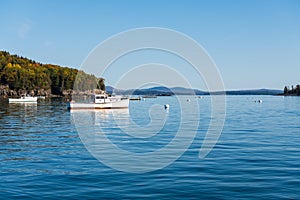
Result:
[[286, 90], [298, 90]]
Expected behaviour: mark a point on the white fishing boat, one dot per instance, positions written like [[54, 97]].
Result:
[[22, 99], [101, 101]]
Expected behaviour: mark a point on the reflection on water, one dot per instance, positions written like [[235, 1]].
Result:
[[256, 157], [32, 133], [100, 115], [115, 139]]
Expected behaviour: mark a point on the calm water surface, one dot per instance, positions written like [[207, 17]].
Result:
[[256, 157]]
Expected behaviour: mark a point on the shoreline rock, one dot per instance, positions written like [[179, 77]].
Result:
[[6, 92]]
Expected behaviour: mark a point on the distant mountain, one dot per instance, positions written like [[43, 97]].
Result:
[[148, 91], [255, 92], [187, 91], [110, 89], [160, 90]]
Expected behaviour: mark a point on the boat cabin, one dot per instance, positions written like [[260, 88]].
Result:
[[100, 98]]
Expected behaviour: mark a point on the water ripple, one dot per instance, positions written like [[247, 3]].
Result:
[[256, 157]]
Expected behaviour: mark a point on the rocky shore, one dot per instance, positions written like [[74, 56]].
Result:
[[6, 92]]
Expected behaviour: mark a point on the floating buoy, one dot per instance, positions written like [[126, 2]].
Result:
[[260, 101], [167, 106], [188, 100]]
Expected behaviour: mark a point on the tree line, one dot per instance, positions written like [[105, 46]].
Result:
[[21, 73], [292, 91]]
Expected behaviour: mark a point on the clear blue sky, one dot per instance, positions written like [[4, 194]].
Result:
[[255, 44]]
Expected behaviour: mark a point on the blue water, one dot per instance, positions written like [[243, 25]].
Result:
[[256, 157]]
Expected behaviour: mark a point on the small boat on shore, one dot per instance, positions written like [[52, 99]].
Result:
[[22, 99], [101, 101], [149, 96], [135, 99], [41, 97]]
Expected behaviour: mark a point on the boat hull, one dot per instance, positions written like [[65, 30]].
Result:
[[22, 100], [124, 103]]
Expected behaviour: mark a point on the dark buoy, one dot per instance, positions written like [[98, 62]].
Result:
[[167, 106]]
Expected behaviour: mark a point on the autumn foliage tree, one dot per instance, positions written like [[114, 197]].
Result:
[[21, 73]]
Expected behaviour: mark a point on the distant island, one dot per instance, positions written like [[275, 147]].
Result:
[[165, 91], [293, 91], [20, 75]]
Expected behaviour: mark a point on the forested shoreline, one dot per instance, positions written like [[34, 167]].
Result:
[[293, 91], [20, 75]]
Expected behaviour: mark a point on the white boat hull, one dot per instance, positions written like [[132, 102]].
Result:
[[21, 100], [124, 103]]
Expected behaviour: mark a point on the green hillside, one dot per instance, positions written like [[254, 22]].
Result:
[[21, 74]]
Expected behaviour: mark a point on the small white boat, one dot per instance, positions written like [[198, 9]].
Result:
[[101, 101], [41, 97], [23, 98]]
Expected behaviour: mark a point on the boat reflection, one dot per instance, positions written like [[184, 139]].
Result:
[[137, 125], [23, 104], [24, 107], [101, 117], [25, 113]]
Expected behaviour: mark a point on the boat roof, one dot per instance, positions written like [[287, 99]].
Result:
[[99, 95]]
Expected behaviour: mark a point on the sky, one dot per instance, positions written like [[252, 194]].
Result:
[[254, 43]]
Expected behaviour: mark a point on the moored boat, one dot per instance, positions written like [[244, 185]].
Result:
[[135, 99], [41, 97], [101, 101], [23, 98]]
